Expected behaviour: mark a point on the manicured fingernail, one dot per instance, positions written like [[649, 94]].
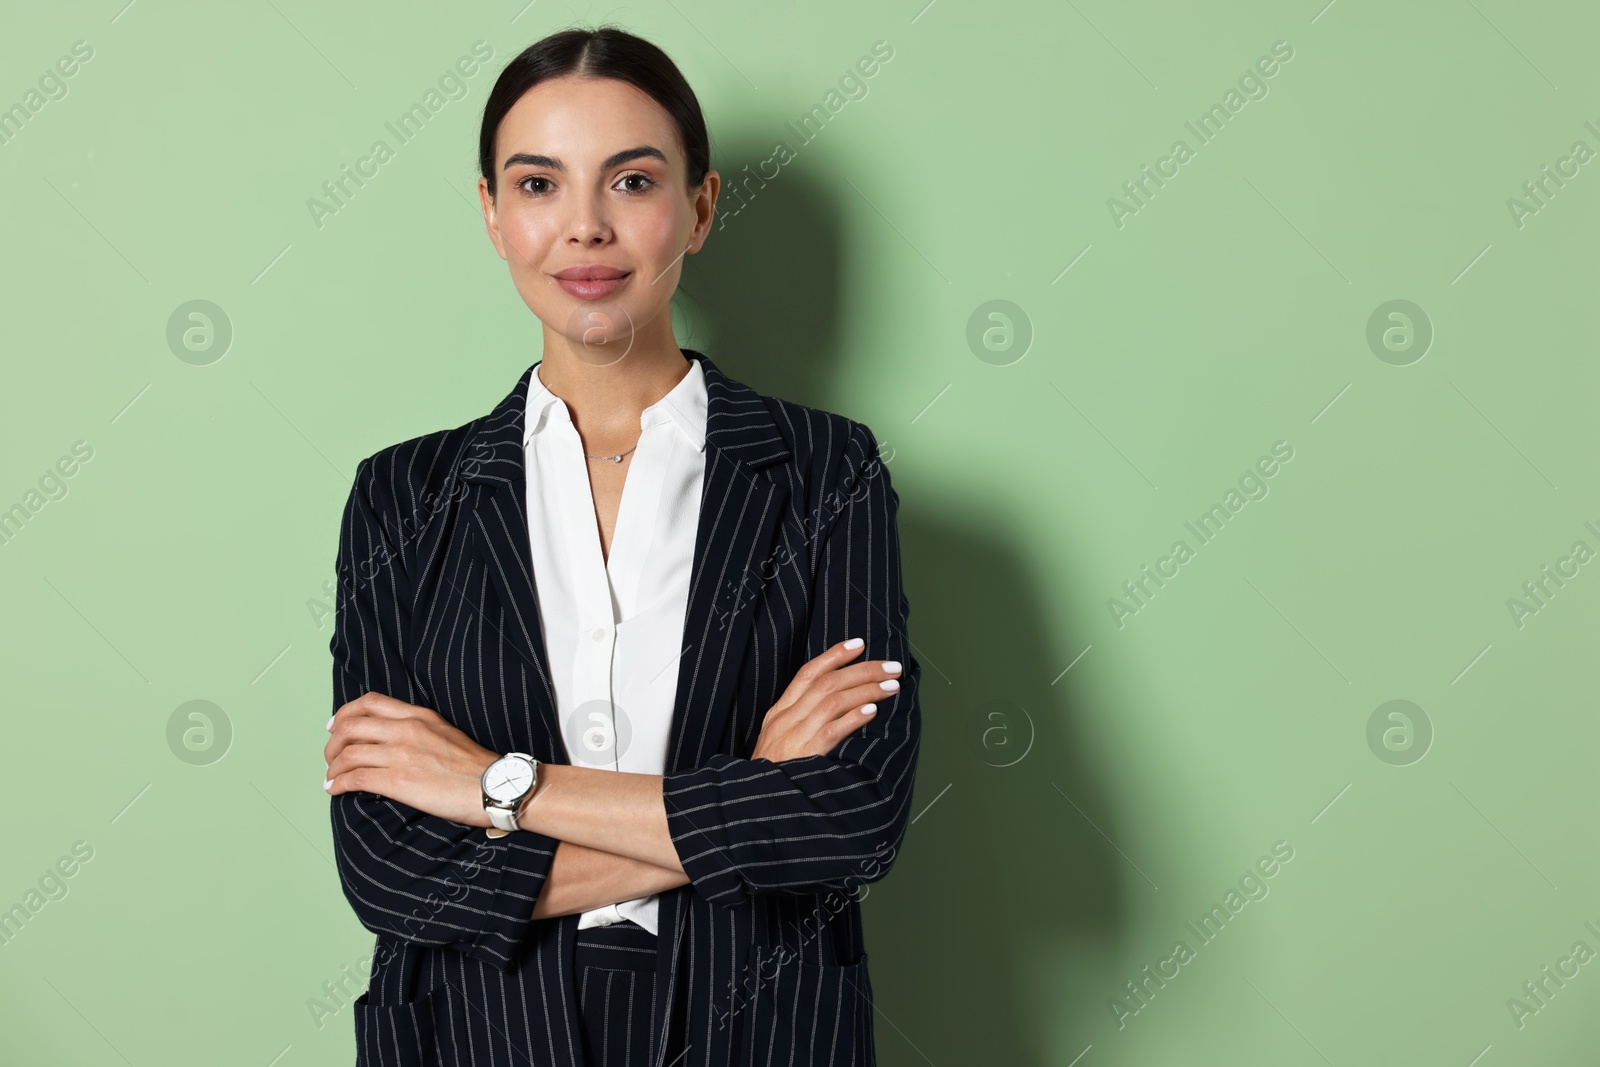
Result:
[[330, 722], [853, 643], [869, 709], [889, 686], [328, 784], [891, 665]]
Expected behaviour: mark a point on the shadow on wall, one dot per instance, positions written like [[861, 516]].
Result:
[[1002, 866]]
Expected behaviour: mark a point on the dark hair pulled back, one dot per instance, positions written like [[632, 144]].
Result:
[[604, 52]]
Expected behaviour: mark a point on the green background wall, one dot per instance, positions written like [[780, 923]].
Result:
[[1094, 779]]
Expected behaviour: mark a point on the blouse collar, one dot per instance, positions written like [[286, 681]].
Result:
[[684, 405]]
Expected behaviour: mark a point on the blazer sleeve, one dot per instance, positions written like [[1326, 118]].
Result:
[[409, 874], [744, 827]]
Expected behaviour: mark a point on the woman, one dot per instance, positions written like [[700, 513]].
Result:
[[616, 665]]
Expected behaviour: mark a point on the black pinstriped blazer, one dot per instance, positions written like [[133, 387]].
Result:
[[762, 957]]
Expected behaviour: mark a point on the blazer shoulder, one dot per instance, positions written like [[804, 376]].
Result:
[[417, 467], [821, 441]]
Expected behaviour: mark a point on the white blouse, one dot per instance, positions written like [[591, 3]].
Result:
[[613, 628]]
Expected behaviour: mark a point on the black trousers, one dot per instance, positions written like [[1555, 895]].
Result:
[[615, 970]]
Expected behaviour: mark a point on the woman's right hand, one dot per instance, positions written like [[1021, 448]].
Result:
[[823, 705]]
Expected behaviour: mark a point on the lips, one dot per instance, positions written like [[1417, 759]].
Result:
[[592, 281], [592, 272]]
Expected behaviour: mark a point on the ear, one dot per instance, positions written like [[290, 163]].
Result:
[[491, 216], [705, 206]]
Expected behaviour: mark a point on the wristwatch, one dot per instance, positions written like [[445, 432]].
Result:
[[508, 782]]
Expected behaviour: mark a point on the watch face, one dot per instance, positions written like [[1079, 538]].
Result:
[[507, 778]]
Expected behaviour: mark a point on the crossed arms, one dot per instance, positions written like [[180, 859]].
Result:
[[733, 828]]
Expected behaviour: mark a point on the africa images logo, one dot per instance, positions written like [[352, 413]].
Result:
[[1252, 887]]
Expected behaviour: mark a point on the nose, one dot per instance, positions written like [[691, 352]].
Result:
[[587, 224]]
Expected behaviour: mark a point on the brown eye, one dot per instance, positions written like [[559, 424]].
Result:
[[645, 178], [523, 184]]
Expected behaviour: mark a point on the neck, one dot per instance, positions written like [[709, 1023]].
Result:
[[607, 391]]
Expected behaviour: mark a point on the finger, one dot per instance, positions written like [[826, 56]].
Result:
[[362, 730], [873, 671], [378, 707], [375, 704], [855, 680], [827, 733], [848, 723], [817, 668], [361, 756], [360, 780], [848, 702], [830, 659]]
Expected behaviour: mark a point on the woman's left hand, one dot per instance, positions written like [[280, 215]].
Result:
[[407, 753]]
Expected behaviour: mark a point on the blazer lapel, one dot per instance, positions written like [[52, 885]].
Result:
[[738, 520], [740, 508], [496, 519]]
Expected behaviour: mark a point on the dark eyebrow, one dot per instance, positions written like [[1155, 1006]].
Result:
[[616, 159]]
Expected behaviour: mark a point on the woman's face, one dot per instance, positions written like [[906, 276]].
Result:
[[590, 173]]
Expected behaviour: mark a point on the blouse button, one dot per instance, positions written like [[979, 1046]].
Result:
[[599, 633]]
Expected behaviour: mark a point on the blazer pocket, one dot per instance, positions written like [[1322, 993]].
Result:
[[401, 1035], [805, 1014]]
